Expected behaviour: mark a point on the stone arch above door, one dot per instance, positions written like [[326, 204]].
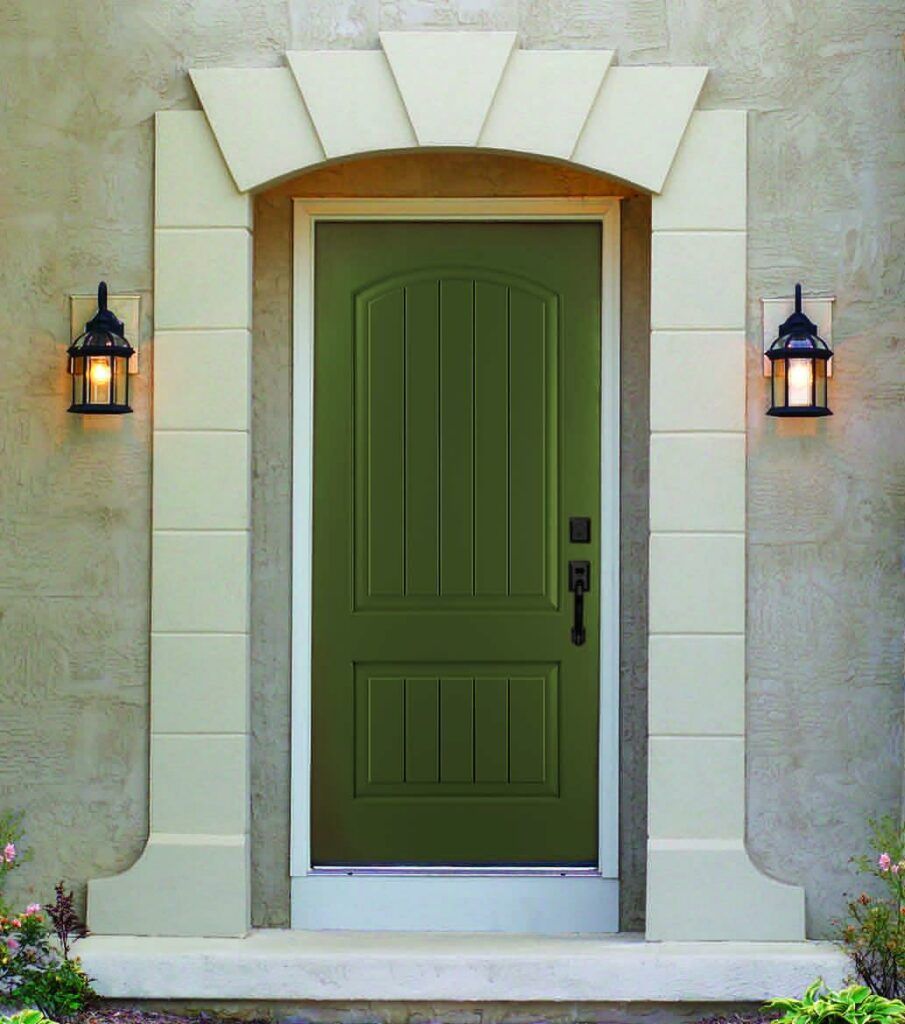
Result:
[[451, 91]]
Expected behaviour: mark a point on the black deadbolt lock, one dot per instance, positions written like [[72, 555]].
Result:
[[580, 530]]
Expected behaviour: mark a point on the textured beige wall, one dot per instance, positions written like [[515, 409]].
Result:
[[81, 80]]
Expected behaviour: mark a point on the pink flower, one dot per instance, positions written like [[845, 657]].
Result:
[[31, 909], [9, 852], [12, 944], [884, 862], [896, 868]]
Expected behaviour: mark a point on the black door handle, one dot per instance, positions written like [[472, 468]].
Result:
[[579, 585]]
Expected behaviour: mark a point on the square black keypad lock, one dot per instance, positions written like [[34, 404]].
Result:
[[580, 530]]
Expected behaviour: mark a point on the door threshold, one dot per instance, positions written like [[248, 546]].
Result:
[[448, 871], [522, 902]]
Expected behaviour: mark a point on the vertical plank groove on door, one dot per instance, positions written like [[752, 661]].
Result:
[[456, 730], [474, 527], [405, 445], [456, 400], [386, 445], [491, 718], [508, 446], [491, 440], [439, 445], [527, 730], [422, 730], [386, 727], [527, 447], [422, 438]]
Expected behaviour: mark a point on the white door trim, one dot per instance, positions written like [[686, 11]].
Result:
[[464, 900]]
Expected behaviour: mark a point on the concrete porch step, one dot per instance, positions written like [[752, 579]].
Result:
[[393, 966]]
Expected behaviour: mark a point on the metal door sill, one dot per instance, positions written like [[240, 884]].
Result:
[[441, 871]]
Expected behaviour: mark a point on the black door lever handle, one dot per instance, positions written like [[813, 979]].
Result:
[[579, 585]]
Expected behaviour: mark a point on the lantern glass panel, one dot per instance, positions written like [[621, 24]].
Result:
[[77, 369], [779, 383], [120, 380], [100, 380], [801, 382], [820, 368]]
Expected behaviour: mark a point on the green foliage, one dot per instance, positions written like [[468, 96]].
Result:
[[36, 969], [853, 1005], [11, 854], [59, 991], [874, 934], [26, 1017]]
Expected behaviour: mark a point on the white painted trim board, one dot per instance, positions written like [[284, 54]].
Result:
[[471, 900]]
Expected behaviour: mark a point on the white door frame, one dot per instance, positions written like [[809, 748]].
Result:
[[530, 900]]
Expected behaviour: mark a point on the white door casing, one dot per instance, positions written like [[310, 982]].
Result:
[[547, 901], [457, 89]]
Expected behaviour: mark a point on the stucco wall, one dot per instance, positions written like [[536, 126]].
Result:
[[823, 83]]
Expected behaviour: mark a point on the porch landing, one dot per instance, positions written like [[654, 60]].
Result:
[[392, 966]]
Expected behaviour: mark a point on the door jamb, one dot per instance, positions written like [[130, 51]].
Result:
[[306, 213]]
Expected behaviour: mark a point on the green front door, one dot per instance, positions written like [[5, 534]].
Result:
[[457, 405]]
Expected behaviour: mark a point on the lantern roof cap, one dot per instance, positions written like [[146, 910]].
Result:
[[798, 336], [103, 334]]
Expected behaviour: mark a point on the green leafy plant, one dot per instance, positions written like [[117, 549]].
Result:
[[60, 991], [35, 970], [853, 1005], [11, 854], [26, 1017], [874, 934]]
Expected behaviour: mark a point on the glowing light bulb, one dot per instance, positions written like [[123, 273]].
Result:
[[801, 375], [99, 372]]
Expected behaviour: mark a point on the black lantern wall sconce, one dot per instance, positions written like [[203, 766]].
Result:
[[99, 363], [799, 361]]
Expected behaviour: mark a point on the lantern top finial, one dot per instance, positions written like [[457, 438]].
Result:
[[103, 320], [798, 324]]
